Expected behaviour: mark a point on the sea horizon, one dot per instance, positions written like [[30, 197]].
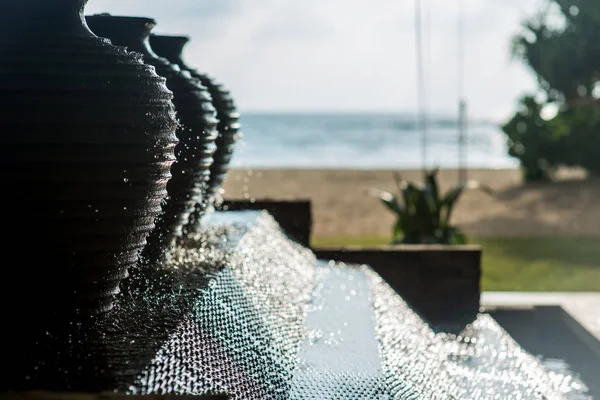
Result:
[[432, 115], [365, 141]]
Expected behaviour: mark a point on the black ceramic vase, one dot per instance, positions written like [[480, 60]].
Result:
[[171, 47], [197, 130], [87, 131]]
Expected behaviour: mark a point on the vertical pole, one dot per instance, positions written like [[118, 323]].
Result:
[[421, 84], [462, 141]]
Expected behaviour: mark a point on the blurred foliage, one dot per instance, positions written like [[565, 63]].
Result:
[[423, 214], [582, 140], [538, 144], [560, 46]]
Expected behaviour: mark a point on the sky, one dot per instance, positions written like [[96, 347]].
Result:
[[347, 55]]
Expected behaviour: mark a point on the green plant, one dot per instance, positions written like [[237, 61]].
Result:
[[539, 145], [558, 45], [581, 144], [423, 214]]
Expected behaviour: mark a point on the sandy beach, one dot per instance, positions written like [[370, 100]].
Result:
[[342, 206]]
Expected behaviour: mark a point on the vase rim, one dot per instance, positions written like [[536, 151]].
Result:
[[43, 19], [151, 22], [166, 36], [131, 32]]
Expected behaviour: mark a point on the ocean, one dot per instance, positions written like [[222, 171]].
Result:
[[364, 141]]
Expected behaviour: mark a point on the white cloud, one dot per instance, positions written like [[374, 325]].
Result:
[[345, 54]]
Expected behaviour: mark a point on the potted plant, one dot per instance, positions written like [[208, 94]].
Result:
[[423, 213]]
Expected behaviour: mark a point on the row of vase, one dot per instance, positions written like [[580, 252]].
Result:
[[113, 146]]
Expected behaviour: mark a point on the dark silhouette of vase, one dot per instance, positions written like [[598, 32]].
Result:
[[88, 136], [197, 131], [171, 47]]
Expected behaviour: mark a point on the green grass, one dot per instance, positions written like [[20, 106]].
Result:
[[523, 264]]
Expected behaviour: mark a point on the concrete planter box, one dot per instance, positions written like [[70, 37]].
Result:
[[294, 216], [441, 283]]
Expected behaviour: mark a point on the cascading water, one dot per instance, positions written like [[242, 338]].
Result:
[[240, 309]]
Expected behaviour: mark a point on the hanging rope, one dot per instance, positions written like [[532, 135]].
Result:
[[462, 103], [427, 69], [460, 50], [422, 105]]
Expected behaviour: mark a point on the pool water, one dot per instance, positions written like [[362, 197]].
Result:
[[563, 345]]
